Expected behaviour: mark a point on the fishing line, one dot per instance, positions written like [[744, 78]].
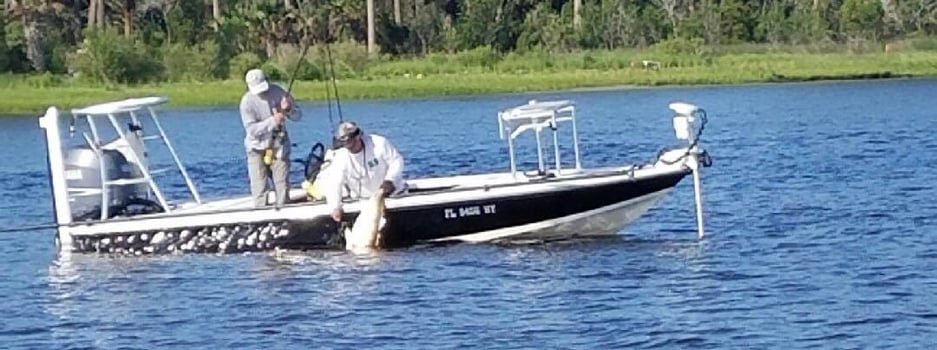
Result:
[[30, 228], [278, 133], [338, 101], [328, 98]]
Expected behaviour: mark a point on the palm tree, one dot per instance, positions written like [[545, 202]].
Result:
[[370, 27], [35, 16], [216, 10], [271, 24], [128, 10], [92, 13]]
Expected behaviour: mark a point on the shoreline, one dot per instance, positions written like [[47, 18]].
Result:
[[24, 101], [815, 79]]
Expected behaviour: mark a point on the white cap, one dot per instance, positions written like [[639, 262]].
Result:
[[346, 130], [256, 81]]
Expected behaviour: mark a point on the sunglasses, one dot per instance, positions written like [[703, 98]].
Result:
[[348, 138]]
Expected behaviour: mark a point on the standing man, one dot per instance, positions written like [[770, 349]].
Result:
[[264, 110], [365, 165]]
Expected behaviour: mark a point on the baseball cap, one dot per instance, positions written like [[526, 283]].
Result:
[[346, 130], [256, 81]]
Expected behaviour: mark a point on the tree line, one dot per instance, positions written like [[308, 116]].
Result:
[[139, 40]]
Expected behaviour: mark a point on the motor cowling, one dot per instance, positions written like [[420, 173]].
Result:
[[83, 178]]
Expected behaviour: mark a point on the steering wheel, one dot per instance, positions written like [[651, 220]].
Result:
[[314, 160]]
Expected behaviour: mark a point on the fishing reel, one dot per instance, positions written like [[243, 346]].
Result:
[[278, 134]]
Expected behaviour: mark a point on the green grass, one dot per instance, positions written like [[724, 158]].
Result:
[[447, 75]]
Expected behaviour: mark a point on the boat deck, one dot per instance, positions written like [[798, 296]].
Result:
[[415, 186]]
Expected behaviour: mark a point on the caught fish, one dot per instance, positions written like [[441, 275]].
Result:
[[365, 233]]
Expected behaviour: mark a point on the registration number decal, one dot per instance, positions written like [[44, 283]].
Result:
[[472, 210]]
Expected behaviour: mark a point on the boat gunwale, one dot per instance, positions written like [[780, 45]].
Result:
[[583, 175]]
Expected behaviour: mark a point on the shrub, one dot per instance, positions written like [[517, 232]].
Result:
[[350, 58], [243, 62], [4, 51], [44, 80], [107, 56], [273, 71], [58, 63], [682, 47], [287, 61], [191, 63], [532, 60], [482, 56]]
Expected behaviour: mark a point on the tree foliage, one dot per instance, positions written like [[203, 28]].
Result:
[[147, 40]]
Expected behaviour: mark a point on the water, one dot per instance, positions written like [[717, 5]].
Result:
[[820, 216]]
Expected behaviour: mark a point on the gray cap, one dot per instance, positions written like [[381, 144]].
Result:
[[346, 130], [256, 81]]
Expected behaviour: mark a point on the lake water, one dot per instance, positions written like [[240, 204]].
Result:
[[820, 210]]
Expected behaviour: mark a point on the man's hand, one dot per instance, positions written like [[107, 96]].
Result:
[[279, 117], [337, 214], [286, 104], [387, 188]]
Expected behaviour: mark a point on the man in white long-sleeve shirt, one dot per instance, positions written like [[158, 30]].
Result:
[[264, 109], [364, 165]]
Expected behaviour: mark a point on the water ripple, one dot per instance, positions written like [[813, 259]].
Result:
[[819, 225]]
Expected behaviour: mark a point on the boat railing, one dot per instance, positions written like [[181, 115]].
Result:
[[130, 141], [536, 116]]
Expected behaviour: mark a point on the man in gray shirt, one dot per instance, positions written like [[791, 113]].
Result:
[[264, 110]]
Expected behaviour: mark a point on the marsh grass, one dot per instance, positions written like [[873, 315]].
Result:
[[483, 71]]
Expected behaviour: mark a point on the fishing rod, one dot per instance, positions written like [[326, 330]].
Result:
[[278, 131], [302, 57]]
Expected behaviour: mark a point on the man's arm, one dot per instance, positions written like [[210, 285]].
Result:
[[394, 165], [334, 181], [253, 123], [296, 113], [289, 107]]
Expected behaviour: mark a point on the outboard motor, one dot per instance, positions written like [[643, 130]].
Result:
[[83, 177]]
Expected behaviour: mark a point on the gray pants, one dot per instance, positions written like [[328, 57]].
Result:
[[260, 172]]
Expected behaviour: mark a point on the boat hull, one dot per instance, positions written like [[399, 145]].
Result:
[[554, 202], [547, 210], [605, 221], [521, 216]]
